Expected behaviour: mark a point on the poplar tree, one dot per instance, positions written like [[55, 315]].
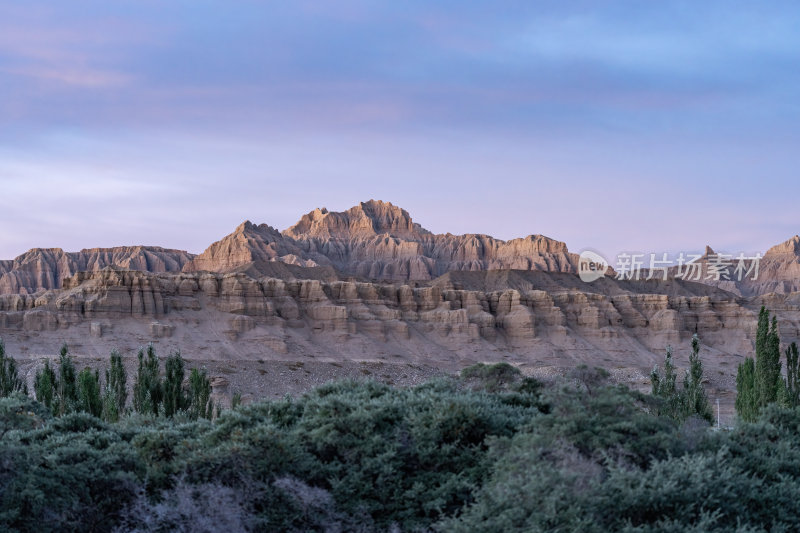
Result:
[[10, 381], [768, 359], [695, 401], [44, 386], [175, 399], [201, 404], [760, 383], [663, 387], [746, 396], [147, 389], [89, 399], [115, 394], [773, 377], [792, 376], [66, 398], [689, 401]]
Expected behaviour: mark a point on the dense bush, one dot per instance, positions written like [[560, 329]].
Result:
[[351, 452], [75, 473], [409, 456], [491, 451], [594, 470]]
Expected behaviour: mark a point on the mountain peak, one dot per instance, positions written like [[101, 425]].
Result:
[[792, 246], [374, 217], [248, 228]]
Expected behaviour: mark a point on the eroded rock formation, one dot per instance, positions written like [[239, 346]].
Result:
[[379, 241], [372, 241], [45, 268], [529, 318]]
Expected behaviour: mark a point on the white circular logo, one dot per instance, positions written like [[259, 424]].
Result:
[[591, 266]]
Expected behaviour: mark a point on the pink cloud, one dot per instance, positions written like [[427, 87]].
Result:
[[74, 75], [34, 44]]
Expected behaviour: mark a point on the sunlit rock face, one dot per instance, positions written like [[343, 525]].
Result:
[[378, 241]]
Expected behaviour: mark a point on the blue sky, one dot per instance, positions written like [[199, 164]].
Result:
[[647, 126]]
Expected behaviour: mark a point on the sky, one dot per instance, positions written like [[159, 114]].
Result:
[[628, 125]]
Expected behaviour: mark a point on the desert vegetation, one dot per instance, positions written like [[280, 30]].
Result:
[[760, 381], [489, 450]]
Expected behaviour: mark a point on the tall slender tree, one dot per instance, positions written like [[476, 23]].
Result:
[[746, 397], [175, 399], [66, 384], [792, 376], [147, 389], [663, 387], [695, 401], [689, 401], [760, 384], [201, 404], [236, 399], [10, 381], [774, 378], [115, 394], [768, 359], [89, 399], [44, 386], [762, 334]]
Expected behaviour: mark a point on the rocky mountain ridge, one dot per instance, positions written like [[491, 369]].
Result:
[[374, 240], [379, 241], [45, 268]]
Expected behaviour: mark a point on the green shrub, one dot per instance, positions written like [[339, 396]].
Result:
[[19, 412], [363, 456], [493, 377]]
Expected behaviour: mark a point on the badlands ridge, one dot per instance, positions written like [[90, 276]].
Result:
[[368, 286]]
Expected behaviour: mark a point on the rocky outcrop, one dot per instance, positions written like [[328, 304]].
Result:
[[248, 244], [364, 220], [377, 240], [779, 269], [789, 248], [374, 240], [543, 320], [44, 268]]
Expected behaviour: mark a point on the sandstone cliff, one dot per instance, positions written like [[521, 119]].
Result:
[[532, 319]]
